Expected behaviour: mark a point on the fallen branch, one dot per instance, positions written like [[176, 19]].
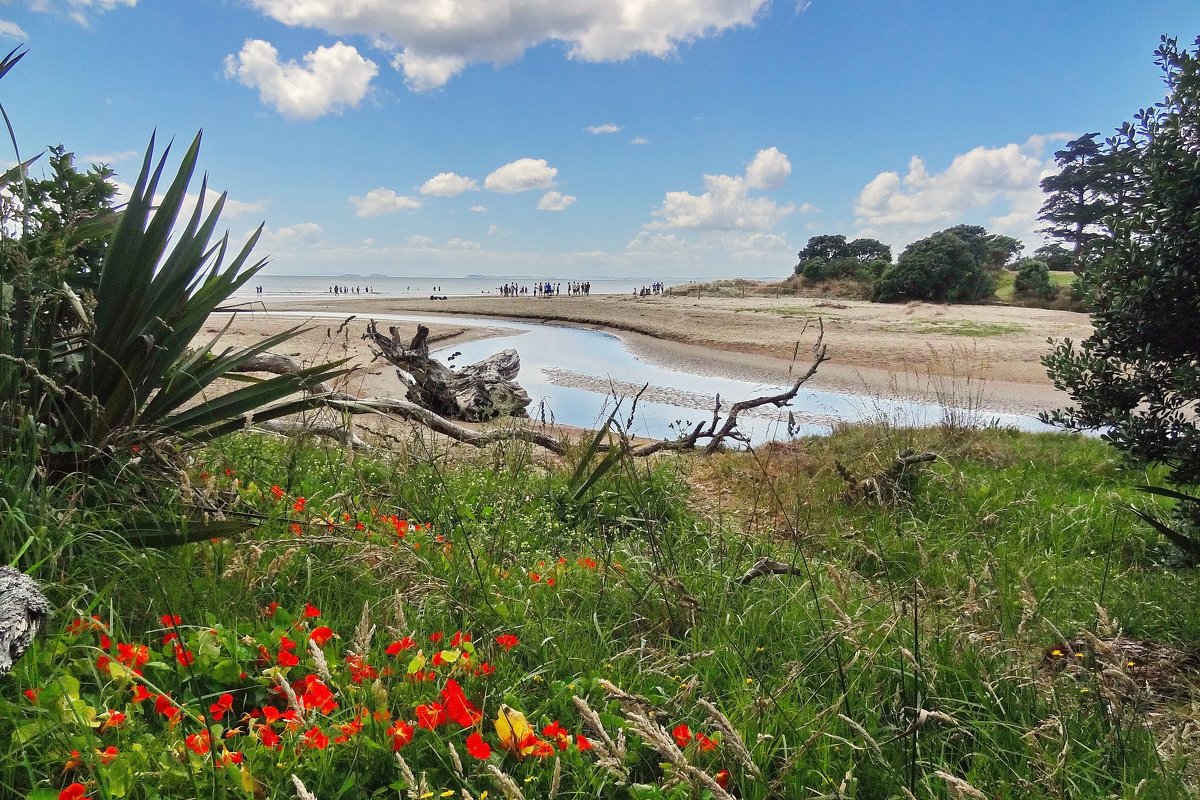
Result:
[[768, 566]]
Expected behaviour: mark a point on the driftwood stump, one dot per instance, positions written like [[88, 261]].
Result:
[[23, 612], [481, 391]]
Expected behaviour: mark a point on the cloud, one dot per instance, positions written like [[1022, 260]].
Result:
[[448, 184], [110, 158], [768, 170], [331, 78], [726, 204], [555, 201], [479, 209], [607, 127], [521, 175], [301, 236], [232, 207], [382, 201], [11, 30], [79, 10], [493, 229], [434, 40], [639, 140], [1000, 184]]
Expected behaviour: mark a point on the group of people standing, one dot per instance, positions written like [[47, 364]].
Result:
[[654, 288], [546, 289], [349, 289]]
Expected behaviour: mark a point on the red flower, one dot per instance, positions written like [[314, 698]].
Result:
[[115, 719], [140, 693], [484, 669], [184, 656], [76, 791], [458, 707], [722, 778], [295, 529], [477, 747], [431, 715], [436, 636], [31, 695], [223, 705], [165, 706], [286, 659], [277, 492], [321, 635], [360, 670], [268, 737], [549, 581], [133, 656], [230, 757], [401, 733], [458, 638], [582, 742], [682, 735], [108, 755], [311, 611], [706, 744], [317, 696], [298, 506], [315, 739], [558, 733], [270, 609], [535, 577], [507, 640], [198, 743], [587, 563], [171, 619], [399, 646]]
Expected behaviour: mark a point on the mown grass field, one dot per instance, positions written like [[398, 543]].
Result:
[[476, 624]]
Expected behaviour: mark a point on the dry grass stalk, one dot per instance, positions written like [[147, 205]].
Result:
[[610, 755], [733, 740], [290, 693], [318, 657], [507, 785], [872, 745], [456, 762], [406, 771], [960, 788], [661, 742], [555, 779], [363, 632], [302, 791]]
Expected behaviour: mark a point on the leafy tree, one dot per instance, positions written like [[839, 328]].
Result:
[[945, 267], [831, 256], [1056, 257], [1137, 377], [1076, 201], [1033, 280]]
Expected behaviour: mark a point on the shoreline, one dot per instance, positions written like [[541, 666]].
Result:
[[978, 356]]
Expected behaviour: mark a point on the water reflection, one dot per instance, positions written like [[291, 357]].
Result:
[[575, 377]]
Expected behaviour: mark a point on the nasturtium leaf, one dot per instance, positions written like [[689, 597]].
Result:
[[119, 672], [450, 656], [417, 663], [468, 647], [227, 671]]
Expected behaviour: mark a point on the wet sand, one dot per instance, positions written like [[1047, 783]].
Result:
[[986, 355]]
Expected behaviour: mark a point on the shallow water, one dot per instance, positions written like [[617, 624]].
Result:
[[577, 376]]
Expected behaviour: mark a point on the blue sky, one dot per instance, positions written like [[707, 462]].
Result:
[[663, 138]]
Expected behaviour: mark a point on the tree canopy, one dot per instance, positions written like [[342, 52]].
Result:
[[1137, 377], [828, 257], [950, 266]]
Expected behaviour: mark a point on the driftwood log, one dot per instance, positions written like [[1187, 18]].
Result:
[[485, 390], [708, 436], [23, 612]]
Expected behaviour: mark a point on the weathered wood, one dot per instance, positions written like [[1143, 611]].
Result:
[[485, 390], [23, 612]]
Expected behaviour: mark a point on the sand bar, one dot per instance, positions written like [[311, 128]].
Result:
[[916, 351]]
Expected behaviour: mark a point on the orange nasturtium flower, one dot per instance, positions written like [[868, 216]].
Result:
[[682, 734], [76, 791], [311, 611], [277, 492], [298, 506], [223, 705], [507, 640], [477, 747]]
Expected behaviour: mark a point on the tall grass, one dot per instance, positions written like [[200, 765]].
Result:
[[909, 656]]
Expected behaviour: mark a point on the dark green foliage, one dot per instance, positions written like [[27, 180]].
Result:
[[1137, 376], [1056, 257], [944, 267], [831, 257], [1077, 199], [1033, 280]]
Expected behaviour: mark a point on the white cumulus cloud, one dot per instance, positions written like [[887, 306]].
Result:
[[726, 204], [11, 30], [555, 201], [639, 140], [80, 11], [434, 40], [479, 209], [382, 201], [330, 79], [607, 127], [521, 175], [448, 184], [999, 184], [768, 170]]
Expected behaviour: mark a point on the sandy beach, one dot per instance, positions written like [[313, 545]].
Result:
[[915, 351]]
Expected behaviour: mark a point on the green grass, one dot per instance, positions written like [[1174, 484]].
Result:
[[969, 328], [946, 604], [1007, 278]]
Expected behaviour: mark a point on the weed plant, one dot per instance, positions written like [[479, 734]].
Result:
[[429, 623]]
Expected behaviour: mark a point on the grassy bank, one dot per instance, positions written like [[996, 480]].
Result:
[[446, 624]]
